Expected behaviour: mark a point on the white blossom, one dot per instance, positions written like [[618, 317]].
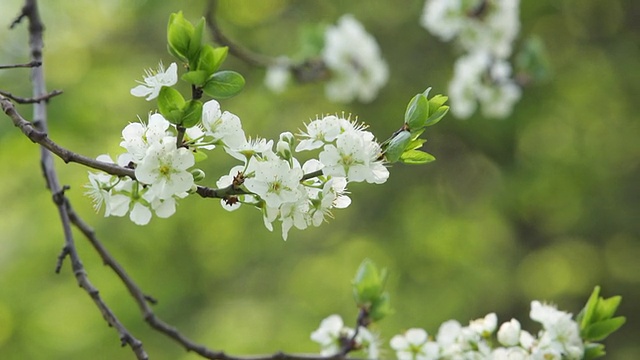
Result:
[[353, 57], [165, 168], [278, 75], [223, 127], [155, 80], [356, 157], [414, 344], [329, 335], [274, 181], [509, 333]]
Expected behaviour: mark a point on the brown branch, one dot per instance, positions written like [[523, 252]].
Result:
[[309, 70], [30, 11], [27, 65], [22, 100]]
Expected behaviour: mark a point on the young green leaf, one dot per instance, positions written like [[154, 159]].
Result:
[[195, 77], [368, 283], [170, 104], [179, 34], [191, 113], [195, 42], [601, 329], [396, 146], [416, 157], [224, 84], [417, 112]]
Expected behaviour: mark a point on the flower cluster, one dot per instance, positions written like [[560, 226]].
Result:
[[270, 179], [333, 337], [353, 58], [485, 30], [558, 339], [304, 195]]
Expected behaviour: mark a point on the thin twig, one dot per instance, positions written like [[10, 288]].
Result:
[[22, 100], [30, 10], [27, 65], [309, 70], [251, 58]]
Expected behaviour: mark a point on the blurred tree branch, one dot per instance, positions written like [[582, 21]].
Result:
[[309, 70]]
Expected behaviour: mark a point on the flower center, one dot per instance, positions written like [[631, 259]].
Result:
[[164, 170]]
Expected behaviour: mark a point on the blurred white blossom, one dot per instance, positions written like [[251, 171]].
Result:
[[358, 70]]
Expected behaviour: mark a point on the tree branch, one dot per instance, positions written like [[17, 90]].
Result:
[[22, 100], [30, 11], [27, 65], [309, 70]]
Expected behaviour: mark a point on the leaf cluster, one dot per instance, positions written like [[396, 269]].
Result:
[[421, 112]]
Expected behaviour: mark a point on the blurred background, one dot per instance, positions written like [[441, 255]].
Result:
[[542, 205]]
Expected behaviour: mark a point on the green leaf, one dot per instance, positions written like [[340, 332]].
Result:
[[606, 308], [415, 144], [586, 314], [191, 113], [416, 157], [219, 56], [170, 104], [600, 330], [199, 156], [381, 307], [196, 77], [224, 84], [206, 60], [396, 146], [437, 115], [179, 34], [417, 112], [593, 351], [195, 42], [368, 283]]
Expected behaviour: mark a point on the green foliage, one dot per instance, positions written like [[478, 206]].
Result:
[[178, 111], [183, 38], [368, 290], [224, 84], [597, 321], [421, 112]]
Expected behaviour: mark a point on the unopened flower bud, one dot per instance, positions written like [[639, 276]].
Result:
[[198, 175]]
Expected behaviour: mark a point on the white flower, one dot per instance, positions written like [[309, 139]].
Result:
[[443, 18], [333, 195], [353, 56], [478, 77], [561, 333], [485, 326], [251, 148], [155, 80], [224, 127], [414, 345], [509, 333], [355, 156], [321, 131], [101, 188], [165, 168], [330, 335], [368, 341], [478, 25], [137, 137], [278, 75], [512, 353], [295, 213], [274, 181]]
